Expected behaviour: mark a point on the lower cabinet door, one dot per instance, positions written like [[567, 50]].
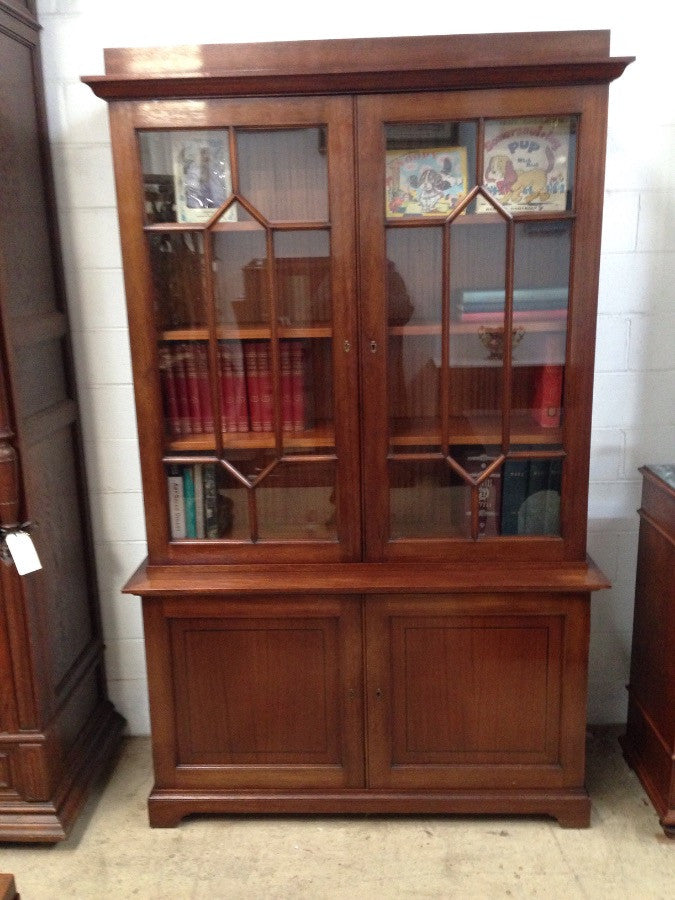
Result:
[[476, 692], [256, 693]]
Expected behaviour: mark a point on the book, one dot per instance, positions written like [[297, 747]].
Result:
[[227, 395], [286, 386], [202, 177], [532, 512], [198, 473], [176, 503], [180, 379], [252, 385], [172, 417], [553, 494], [554, 298], [210, 501], [425, 182], [204, 385], [526, 163], [265, 385], [192, 382], [548, 387], [489, 492], [514, 491], [189, 501], [240, 406], [298, 385]]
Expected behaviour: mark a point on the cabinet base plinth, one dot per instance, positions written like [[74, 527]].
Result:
[[572, 808]]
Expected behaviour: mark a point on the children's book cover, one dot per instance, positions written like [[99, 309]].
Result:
[[428, 182]]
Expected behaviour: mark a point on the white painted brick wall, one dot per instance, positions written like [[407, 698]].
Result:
[[634, 419]]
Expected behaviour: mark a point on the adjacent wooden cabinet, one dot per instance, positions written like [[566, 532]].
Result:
[[361, 281], [58, 730], [649, 742]]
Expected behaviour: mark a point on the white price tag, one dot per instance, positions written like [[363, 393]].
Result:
[[20, 545]]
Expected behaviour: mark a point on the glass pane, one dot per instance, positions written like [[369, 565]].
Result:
[[531, 496], [186, 174], [429, 167], [302, 260], [306, 394], [204, 501], [477, 279], [427, 499], [186, 389], [283, 173], [240, 394], [414, 275], [414, 366], [177, 264], [241, 295], [529, 163], [296, 501], [542, 262]]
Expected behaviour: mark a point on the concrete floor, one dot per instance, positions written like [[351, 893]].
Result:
[[112, 852]]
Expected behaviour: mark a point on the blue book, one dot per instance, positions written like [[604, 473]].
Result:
[[189, 499]]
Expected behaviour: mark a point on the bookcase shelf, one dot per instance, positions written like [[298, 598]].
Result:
[[371, 606], [480, 428]]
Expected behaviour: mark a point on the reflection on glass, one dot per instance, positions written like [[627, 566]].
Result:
[[296, 501], [240, 295], [177, 264], [186, 174], [529, 163], [531, 496], [302, 261], [283, 173], [414, 275], [414, 388], [186, 388], [427, 500], [429, 167], [205, 502], [477, 279]]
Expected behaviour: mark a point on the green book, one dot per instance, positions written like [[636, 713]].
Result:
[[552, 507], [189, 498], [514, 492]]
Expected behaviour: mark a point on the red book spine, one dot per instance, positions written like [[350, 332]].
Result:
[[240, 406], [265, 385], [193, 387], [253, 384], [204, 387], [548, 388], [173, 422], [225, 382], [286, 386], [298, 385], [180, 377]]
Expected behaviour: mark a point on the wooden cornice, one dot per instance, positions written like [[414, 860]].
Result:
[[365, 65]]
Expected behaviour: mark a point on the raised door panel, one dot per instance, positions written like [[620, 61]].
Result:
[[267, 693], [472, 691]]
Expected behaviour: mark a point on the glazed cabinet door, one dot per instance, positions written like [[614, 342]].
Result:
[[237, 225], [256, 693], [479, 250], [476, 691]]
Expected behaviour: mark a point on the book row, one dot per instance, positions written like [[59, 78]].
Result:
[[245, 385], [198, 508], [520, 499]]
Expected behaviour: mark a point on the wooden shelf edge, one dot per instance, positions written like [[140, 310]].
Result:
[[366, 578]]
